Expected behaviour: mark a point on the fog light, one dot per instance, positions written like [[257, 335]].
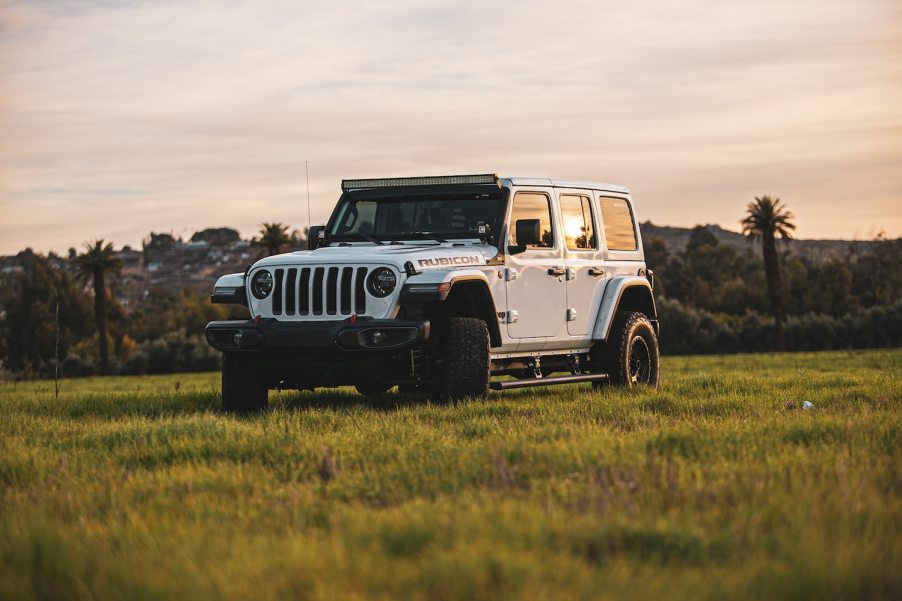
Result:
[[377, 338]]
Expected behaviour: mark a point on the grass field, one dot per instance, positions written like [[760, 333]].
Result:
[[709, 488]]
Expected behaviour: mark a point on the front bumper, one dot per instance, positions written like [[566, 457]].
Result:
[[362, 335]]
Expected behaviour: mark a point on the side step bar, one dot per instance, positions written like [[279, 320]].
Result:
[[530, 382]]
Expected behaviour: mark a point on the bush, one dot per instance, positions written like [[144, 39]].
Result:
[[138, 363], [879, 326], [74, 366], [686, 330], [814, 332], [173, 352]]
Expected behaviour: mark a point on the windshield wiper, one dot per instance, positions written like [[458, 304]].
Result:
[[426, 235], [366, 237]]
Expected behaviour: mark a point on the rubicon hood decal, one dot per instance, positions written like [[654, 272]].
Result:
[[443, 261]]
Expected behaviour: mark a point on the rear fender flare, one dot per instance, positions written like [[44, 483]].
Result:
[[624, 293]]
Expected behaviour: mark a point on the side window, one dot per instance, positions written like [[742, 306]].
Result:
[[579, 224], [618, 224], [533, 205]]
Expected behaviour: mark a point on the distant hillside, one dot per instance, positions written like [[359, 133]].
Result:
[[676, 239]]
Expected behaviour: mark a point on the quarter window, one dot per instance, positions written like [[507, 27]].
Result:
[[532, 205], [619, 230], [579, 226]]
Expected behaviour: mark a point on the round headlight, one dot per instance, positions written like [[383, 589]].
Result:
[[382, 281], [261, 284]]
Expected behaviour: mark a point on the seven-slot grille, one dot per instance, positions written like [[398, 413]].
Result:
[[319, 291]]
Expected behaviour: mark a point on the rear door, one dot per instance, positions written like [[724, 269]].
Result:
[[583, 259]]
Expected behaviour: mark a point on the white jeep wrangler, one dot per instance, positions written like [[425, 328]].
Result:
[[451, 286]]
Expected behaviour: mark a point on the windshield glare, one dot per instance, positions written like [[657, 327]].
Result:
[[443, 216]]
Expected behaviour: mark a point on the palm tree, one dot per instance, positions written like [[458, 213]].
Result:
[[93, 265], [765, 219], [272, 237]]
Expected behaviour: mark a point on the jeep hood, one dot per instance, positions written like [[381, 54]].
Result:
[[423, 256]]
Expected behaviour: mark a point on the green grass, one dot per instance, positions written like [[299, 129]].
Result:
[[709, 488]]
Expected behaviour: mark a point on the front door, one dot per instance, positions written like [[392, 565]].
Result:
[[536, 290]]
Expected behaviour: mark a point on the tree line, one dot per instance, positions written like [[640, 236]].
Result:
[[48, 312], [711, 299]]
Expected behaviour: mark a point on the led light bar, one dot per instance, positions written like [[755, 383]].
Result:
[[442, 180]]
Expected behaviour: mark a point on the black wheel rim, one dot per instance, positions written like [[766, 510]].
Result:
[[639, 361]]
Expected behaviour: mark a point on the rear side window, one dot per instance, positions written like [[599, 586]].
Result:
[[619, 229], [533, 205], [579, 226]]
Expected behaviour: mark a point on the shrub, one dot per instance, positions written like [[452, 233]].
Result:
[[74, 366], [173, 352], [813, 332], [879, 326], [685, 330]]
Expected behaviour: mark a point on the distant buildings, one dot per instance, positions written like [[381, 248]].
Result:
[[169, 265], [164, 265]]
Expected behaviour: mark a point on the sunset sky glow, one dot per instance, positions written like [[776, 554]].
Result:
[[121, 117]]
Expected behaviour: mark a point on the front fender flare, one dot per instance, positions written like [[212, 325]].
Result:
[[437, 286]]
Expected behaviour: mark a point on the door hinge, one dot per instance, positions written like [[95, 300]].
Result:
[[571, 274], [510, 274], [571, 314], [513, 316]]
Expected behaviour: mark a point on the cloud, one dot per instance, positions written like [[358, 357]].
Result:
[[121, 117]]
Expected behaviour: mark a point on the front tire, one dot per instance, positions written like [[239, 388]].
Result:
[[467, 365], [631, 356], [243, 389]]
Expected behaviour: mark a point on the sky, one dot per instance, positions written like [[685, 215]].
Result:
[[122, 117]]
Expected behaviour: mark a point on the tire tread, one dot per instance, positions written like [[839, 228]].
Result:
[[610, 357], [467, 364]]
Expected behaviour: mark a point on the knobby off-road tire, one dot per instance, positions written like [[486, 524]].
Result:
[[466, 359], [243, 389], [630, 356]]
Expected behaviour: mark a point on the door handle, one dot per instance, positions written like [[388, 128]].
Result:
[[556, 271], [596, 272]]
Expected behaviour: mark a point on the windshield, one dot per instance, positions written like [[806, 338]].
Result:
[[416, 217]]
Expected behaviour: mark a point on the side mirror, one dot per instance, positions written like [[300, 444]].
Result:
[[528, 232], [316, 235]]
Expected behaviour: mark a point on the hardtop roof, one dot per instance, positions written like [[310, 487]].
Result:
[[356, 185], [565, 183]]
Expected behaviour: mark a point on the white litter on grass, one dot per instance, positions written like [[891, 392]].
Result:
[[807, 405]]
